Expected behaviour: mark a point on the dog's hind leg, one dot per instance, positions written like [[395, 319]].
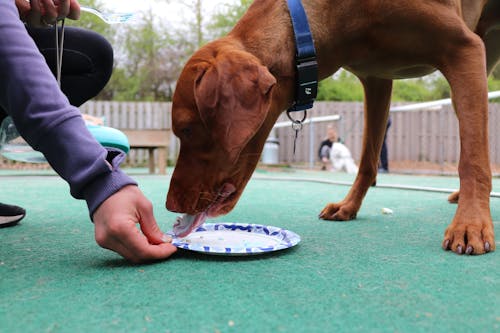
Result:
[[377, 102], [471, 230], [492, 43]]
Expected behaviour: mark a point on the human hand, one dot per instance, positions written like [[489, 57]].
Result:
[[46, 12], [115, 227], [98, 121]]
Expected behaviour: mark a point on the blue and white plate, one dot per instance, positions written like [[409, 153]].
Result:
[[237, 239]]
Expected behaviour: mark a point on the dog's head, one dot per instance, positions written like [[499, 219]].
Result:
[[220, 105]]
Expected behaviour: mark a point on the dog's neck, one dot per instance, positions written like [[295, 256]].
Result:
[[275, 48]]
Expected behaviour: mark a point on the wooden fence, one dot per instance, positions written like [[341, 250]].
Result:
[[131, 116], [424, 135]]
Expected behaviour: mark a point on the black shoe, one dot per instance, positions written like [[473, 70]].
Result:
[[10, 215]]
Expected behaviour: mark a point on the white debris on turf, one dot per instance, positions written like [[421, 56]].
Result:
[[387, 211]]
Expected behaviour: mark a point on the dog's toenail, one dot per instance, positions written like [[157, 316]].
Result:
[[487, 247], [469, 250], [446, 243], [459, 249]]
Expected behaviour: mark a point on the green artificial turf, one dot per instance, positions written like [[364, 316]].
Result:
[[379, 273]]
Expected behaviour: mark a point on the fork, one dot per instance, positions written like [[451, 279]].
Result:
[[110, 18]]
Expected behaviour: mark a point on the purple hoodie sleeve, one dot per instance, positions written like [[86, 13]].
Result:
[[45, 119]]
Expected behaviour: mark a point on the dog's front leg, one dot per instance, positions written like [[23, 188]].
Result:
[[377, 102], [492, 44], [471, 230]]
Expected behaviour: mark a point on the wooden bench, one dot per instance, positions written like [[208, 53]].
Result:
[[151, 139]]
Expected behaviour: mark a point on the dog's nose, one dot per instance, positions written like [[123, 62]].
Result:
[[181, 201], [226, 190], [171, 204]]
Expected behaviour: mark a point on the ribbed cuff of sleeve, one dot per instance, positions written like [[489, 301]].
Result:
[[107, 184]]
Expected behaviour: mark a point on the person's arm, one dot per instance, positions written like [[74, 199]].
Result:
[[43, 116]]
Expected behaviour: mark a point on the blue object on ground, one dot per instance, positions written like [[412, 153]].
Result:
[[110, 137], [13, 147]]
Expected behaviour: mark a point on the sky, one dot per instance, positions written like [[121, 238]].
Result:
[[173, 10]]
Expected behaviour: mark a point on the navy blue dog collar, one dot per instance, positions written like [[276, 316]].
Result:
[[306, 83]]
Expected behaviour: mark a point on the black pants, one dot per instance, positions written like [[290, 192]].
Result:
[[87, 61], [384, 160]]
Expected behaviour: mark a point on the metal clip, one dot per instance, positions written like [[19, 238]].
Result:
[[296, 126]]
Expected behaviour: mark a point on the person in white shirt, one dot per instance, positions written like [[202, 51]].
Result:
[[335, 154], [341, 158]]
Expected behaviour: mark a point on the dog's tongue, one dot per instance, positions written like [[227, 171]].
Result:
[[185, 224]]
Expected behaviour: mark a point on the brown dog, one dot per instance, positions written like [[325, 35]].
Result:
[[232, 91]]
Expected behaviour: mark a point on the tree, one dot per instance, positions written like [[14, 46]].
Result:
[[152, 63], [149, 56], [343, 86], [195, 27], [226, 16]]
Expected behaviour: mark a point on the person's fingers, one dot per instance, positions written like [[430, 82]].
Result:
[[140, 250], [149, 226], [24, 8], [35, 15], [49, 11], [74, 10], [154, 253], [62, 8], [125, 239], [116, 227], [42, 13], [140, 245]]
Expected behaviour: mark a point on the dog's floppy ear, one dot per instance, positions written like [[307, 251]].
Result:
[[233, 95]]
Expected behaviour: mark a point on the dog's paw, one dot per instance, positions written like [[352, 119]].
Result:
[[469, 238], [338, 212]]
